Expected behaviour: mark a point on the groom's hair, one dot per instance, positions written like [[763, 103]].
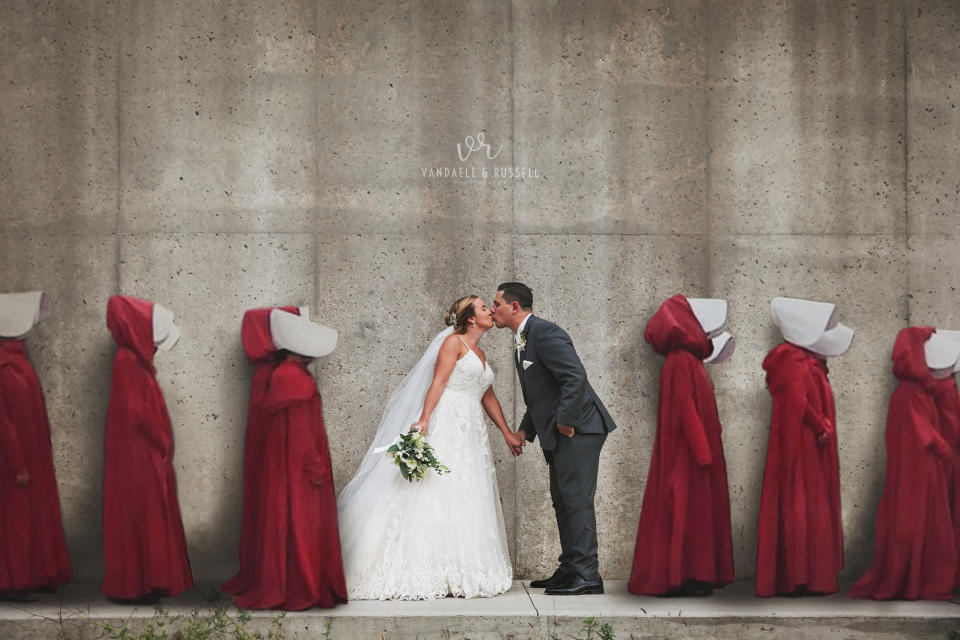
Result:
[[517, 292]]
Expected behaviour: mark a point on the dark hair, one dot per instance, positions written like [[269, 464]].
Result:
[[462, 310], [517, 292], [283, 354]]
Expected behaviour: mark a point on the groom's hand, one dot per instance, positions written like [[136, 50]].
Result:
[[567, 431]]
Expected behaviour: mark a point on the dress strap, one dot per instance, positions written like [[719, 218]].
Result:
[[469, 350], [482, 361]]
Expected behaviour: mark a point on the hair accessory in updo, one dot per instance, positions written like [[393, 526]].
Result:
[[460, 313]]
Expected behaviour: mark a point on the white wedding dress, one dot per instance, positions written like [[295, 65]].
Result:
[[443, 535]]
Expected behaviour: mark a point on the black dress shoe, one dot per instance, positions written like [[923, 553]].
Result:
[[558, 579], [576, 587]]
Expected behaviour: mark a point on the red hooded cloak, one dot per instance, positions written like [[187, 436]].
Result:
[[684, 530], [799, 528], [260, 350], [33, 553], [290, 544], [915, 555], [144, 547]]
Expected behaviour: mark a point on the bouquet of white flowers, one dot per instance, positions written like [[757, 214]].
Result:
[[414, 455]]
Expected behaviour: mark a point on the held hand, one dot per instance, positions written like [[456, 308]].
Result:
[[23, 479], [567, 431], [421, 425], [942, 448], [826, 431], [514, 442]]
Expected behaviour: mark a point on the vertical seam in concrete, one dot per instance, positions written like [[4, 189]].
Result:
[[315, 218], [513, 128], [906, 155], [118, 121], [513, 263], [513, 124], [707, 134]]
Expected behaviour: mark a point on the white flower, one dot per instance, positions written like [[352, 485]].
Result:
[[520, 341]]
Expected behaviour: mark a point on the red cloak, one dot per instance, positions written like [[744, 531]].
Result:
[[290, 543], [915, 555], [33, 553], [144, 547], [947, 399], [799, 527], [684, 530], [260, 350]]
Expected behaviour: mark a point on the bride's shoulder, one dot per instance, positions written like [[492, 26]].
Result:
[[452, 343]]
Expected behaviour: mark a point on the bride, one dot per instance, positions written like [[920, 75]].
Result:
[[443, 535]]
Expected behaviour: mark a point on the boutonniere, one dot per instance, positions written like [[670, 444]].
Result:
[[521, 341]]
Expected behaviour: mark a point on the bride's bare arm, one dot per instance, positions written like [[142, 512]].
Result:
[[492, 406], [446, 360]]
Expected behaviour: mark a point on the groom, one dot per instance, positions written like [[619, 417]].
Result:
[[572, 423]]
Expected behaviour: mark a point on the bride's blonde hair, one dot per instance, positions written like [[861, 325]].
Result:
[[458, 314]]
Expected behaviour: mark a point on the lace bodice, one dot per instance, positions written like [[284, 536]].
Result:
[[470, 375]]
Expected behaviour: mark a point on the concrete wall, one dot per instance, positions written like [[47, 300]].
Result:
[[220, 155]]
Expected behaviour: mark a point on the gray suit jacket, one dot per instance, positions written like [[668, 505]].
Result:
[[555, 386]]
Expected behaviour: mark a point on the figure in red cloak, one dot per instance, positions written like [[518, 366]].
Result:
[[260, 350], [33, 554], [799, 527], [915, 557], [683, 539], [144, 547], [290, 554]]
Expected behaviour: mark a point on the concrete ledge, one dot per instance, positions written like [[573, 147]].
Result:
[[521, 613]]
